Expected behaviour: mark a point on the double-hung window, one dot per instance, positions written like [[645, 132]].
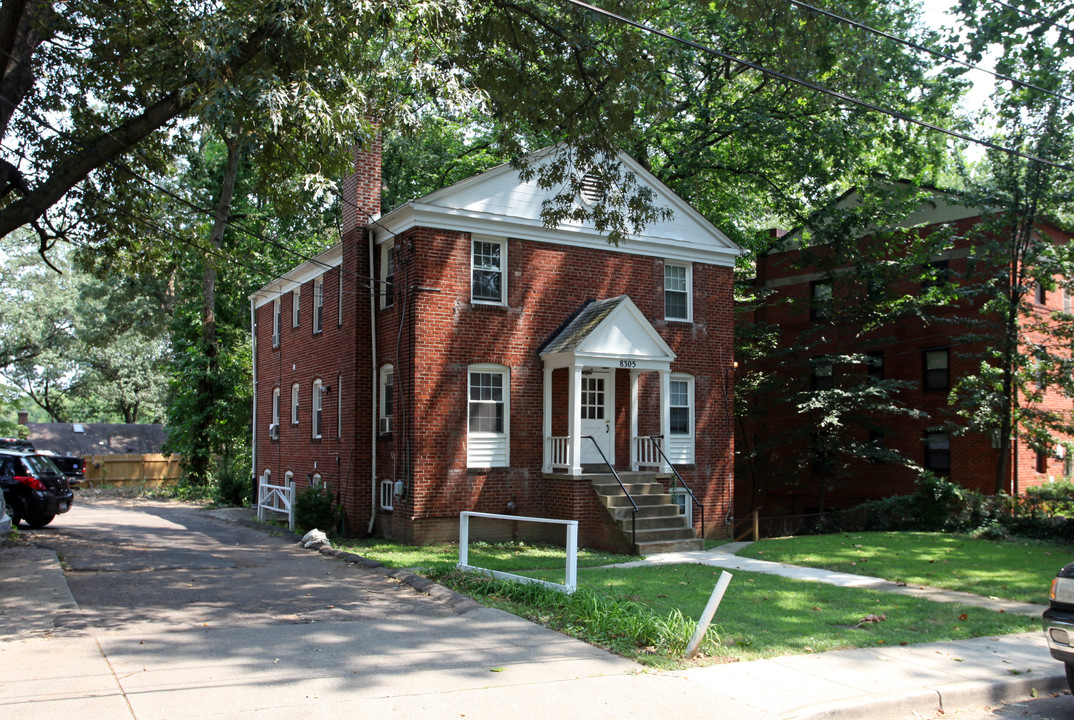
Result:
[[488, 284], [317, 400], [823, 375], [318, 304], [296, 305], [488, 416], [677, 292], [820, 298], [938, 452], [936, 371], [387, 398], [294, 404], [680, 446], [276, 322], [387, 274], [274, 430]]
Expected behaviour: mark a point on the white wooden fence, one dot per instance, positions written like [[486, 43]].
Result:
[[275, 498]]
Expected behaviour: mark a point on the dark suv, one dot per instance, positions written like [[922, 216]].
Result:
[[34, 488], [1059, 620]]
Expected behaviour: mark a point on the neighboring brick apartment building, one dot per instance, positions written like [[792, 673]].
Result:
[[428, 363], [930, 356]]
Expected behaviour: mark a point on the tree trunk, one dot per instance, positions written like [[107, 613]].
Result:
[[198, 466]]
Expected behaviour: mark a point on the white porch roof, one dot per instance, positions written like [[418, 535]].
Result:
[[609, 333]]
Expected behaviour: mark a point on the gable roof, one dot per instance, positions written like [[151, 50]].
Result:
[[98, 438], [607, 333], [500, 202]]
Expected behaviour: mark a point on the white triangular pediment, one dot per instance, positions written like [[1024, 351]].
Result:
[[500, 202], [618, 335]]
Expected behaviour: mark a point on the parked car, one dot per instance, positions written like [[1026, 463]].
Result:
[[73, 467], [16, 444], [33, 487], [1059, 621]]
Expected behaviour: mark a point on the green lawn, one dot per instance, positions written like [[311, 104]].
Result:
[[1012, 569], [506, 557]]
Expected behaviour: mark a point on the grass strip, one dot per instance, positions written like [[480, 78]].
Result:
[[503, 556], [761, 616], [1010, 569]]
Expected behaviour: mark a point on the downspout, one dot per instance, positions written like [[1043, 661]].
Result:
[[375, 381], [253, 421]]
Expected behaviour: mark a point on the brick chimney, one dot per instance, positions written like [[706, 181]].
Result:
[[24, 417], [361, 191]]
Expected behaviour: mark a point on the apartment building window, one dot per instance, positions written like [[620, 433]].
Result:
[[1042, 461], [318, 304], [339, 406], [296, 305], [820, 298], [874, 364], [488, 274], [677, 279], [387, 274], [488, 416], [1040, 295], [823, 375], [938, 452], [317, 401], [276, 322], [275, 429], [935, 274], [339, 298], [387, 398], [936, 373], [294, 404]]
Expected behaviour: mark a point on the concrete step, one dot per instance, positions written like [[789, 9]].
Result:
[[634, 488], [665, 511], [619, 501], [663, 546], [662, 522], [666, 534]]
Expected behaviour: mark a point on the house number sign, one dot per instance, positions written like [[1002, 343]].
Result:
[[628, 363]]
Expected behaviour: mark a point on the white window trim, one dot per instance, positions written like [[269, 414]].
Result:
[[339, 299], [387, 495], [387, 371], [294, 404], [316, 411], [387, 293], [288, 478], [318, 304], [681, 446], [339, 406], [491, 444], [276, 322], [689, 291], [276, 406], [296, 306], [678, 492], [502, 242]]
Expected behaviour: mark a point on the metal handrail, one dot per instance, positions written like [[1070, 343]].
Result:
[[683, 482], [634, 511]]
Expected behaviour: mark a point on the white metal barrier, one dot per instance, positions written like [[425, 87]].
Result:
[[570, 583], [276, 498]]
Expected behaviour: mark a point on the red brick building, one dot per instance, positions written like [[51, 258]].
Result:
[[456, 354], [927, 354]]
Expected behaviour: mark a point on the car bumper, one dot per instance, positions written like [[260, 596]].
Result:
[[1059, 632], [52, 503]]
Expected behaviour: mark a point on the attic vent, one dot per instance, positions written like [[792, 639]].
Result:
[[594, 189], [78, 428]]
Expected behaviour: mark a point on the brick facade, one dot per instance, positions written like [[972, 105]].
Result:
[[430, 333], [973, 457]]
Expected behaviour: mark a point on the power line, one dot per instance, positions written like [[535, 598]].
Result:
[[1038, 18], [819, 88], [923, 48]]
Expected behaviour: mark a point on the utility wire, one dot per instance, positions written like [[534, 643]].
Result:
[[1038, 18], [819, 88], [923, 48]]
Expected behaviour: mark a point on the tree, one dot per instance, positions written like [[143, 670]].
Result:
[[1028, 353]]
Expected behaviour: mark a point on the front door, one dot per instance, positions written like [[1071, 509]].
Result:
[[598, 401]]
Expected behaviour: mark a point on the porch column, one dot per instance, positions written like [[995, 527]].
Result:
[[634, 376], [665, 416], [574, 423], [547, 425]]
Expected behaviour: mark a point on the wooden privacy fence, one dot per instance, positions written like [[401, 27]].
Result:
[[151, 469]]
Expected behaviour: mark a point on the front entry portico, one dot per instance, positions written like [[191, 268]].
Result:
[[606, 337]]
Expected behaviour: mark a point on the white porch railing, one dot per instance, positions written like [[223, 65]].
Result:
[[558, 452], [276, 498], [645, 452]]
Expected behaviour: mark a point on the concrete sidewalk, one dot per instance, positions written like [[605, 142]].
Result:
[[508, 667]]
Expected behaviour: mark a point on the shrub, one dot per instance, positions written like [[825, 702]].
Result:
[[233, 486], [315, 508]]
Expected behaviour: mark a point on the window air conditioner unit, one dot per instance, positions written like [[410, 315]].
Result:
[[385, 426], [274, 431]]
